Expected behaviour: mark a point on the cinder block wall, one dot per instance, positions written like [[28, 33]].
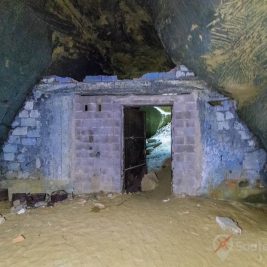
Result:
[[98, 163]]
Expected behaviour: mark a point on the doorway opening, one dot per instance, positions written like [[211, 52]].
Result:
[[147, 143]]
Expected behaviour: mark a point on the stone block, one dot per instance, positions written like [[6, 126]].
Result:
[[20, 131], [13, 140], [28, 105], [34, 114], [178, 123], [190, 123], [28, 141], [223, 125], [21, 158], [28, 122], [244, 135], [9, 156], [229, 115], [178, 157], [254, 160], [15, 124], [24, 114], [190, 140], [14, 166], [179, 140], [239, 126], [8, 148], [219, 116], [33, 133]]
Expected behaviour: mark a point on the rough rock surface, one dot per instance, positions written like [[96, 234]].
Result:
[[72, 38], [224, 42]]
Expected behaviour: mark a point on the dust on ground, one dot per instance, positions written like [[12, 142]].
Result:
[[134, 230]]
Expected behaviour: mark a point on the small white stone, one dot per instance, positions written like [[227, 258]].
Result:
[[228, 224], [21, 211]]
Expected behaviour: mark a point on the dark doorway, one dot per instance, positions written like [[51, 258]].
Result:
[[134, 148], [147, 143]]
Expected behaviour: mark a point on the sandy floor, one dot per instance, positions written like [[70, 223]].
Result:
[[137, 230]]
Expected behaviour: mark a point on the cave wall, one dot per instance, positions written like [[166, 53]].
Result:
[[72, 38], [25, 50], [223, 42]]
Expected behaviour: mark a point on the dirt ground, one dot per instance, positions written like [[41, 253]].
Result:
[[135, 230]]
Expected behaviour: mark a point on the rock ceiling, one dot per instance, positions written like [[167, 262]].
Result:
[[224, 42]]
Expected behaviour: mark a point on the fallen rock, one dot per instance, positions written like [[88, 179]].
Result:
[[21, 211], [18, 239], [228, 224], [165, 200], [2, 219], [97, 207], [149, 182]]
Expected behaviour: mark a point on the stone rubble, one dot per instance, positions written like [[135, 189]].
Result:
[[149, 182]]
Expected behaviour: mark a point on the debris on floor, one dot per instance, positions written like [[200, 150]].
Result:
[[97, 207], [228, 224], [18, 239], [40, 204], [149, 182], [165, 200], [58, 196], [2, 219]]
